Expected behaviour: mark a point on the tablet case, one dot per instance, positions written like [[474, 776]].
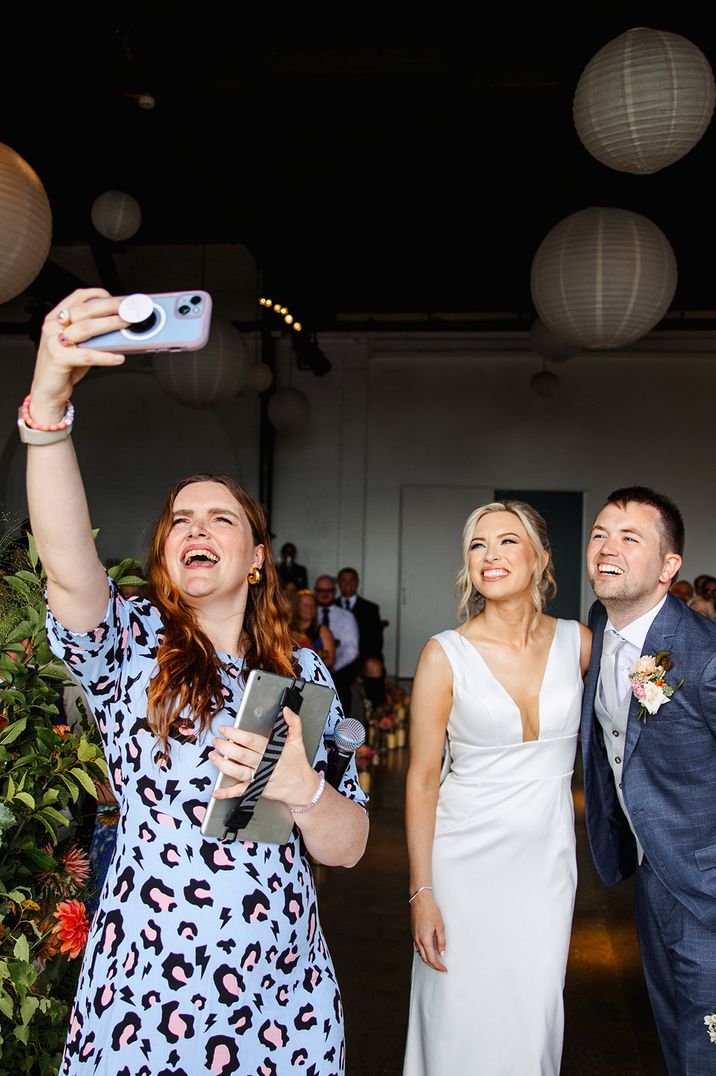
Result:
[[251, 817]]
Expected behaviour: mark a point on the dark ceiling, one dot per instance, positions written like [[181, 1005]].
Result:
[[365, 178]]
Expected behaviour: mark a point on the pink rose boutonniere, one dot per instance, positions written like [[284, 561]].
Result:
[[648, 683]]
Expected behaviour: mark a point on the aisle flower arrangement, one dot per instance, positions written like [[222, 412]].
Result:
[[387, 725], [45, 769]]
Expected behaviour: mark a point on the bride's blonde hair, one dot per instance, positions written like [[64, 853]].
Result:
[[544, 587]]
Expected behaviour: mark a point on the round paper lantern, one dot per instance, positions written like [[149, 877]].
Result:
[[550, 347], [288, 410], [544, 384], [259, 378], [116, 215], [25, 224], [206, 378], [644, 100], [602, 278]]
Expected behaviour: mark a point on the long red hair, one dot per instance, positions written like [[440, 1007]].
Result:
[[188, 677]]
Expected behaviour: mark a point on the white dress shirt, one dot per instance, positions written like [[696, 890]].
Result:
[[344, 628], [634, 636]]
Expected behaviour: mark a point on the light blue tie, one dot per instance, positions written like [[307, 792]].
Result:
[[608, 666]]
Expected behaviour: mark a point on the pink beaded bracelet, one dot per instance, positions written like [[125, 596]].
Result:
[[55, 427], [314, 801]]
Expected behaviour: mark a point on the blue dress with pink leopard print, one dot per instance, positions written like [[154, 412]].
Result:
[[202, 957]]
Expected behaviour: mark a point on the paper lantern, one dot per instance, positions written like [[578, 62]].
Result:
[[288, 410], [25, 224], [544, 384], [550, 347], [116, 215], [644, 100], [259, 378], [206, 378], [602, 278]]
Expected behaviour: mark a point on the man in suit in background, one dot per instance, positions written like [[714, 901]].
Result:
[[370, 628], [344, 627], [289, 570], [650, 761]]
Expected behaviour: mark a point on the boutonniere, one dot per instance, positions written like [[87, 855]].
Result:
[[648, 682], [710, 1022]]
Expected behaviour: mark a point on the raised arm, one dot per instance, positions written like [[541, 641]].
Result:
[[59, 516], [430, 704]]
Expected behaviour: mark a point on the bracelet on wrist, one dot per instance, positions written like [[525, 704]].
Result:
[[309, 806], [420, 889], [34, 433]]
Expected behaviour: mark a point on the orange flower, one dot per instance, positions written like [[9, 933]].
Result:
[[62, 731], [4, 722], [72, 926]]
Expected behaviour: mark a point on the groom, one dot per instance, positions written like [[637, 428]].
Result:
[[650, 777]]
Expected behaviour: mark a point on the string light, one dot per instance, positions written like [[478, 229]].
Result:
[[282, 311]]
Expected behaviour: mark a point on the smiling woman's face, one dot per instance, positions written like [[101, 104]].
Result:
[[210, 548], [501, 558]]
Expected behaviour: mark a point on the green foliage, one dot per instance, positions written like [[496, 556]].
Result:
[[44, 772]]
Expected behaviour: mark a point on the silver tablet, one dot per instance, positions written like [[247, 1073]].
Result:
[[262, 704]]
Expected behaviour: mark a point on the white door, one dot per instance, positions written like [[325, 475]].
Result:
[[432, 519]]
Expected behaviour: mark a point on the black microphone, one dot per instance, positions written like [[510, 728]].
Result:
[[348, 736]]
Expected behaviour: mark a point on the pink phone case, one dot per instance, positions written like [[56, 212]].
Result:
[[180, 321]]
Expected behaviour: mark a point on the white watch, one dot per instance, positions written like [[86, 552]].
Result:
[[28, 436]]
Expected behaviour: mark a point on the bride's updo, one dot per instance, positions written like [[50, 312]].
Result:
[[544, 587]]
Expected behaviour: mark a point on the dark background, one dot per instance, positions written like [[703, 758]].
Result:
[[413, 169]]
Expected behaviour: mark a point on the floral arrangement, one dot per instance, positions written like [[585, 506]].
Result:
[[45, 770], [648, 682], [710, 1022]]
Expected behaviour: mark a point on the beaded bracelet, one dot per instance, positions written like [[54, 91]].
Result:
[[420, 890], [55, 427], [314, 801]]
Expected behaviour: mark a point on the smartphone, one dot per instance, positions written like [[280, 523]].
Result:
[[180, 321], [263, 700]]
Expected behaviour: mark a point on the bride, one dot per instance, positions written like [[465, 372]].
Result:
[[492, 849]]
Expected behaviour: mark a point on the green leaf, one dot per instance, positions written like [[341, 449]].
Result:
[[7, 818], [22, 974], [86, 752], [85, 780], [28, 1009], [32, 550], [26, 798], [50, 812], [15, 729], [51, 796], [131, 581], [22, 949], [21, 1033], [71, 786], [10, 791], [55, 672], [6, 1005]]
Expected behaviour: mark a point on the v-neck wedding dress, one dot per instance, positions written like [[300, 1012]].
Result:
[[504, 875]]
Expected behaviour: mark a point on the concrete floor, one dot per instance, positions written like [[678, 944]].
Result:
[[609, 1026]]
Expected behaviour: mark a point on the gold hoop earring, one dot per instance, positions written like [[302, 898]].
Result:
[[254, 576]]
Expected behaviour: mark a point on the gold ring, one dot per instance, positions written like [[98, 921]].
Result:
[[65, 318]]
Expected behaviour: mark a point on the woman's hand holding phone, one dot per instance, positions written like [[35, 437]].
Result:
[[60, 363]]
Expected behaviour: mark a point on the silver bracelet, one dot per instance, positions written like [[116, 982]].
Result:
[[420, 890], [314, 801]]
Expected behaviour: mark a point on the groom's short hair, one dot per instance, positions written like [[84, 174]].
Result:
[[672, 524]]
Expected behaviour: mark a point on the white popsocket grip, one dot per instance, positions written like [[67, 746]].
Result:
[[136, 308]]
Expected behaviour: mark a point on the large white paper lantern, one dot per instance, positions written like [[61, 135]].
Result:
[[644, 100], [25, 224], [259, 378], [550, 347], [116, 215], [288, 410], [602, 278], [208, 377], [544, 384]]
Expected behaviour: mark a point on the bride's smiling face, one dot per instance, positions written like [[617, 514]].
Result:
[[501, 560]]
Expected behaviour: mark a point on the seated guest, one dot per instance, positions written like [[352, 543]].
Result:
[[708, 588], [682, 589], [699, 582], [306, 630], [344, 627], [370, 629]]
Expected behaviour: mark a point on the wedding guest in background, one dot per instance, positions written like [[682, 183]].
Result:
[[307, 629], [344, 627], [289, 570], [699, 582], [682, 589], [702, 605], [649, 750], [370, 630], [708, 588]]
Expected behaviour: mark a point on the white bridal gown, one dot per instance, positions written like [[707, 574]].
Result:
[[504, 875]]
